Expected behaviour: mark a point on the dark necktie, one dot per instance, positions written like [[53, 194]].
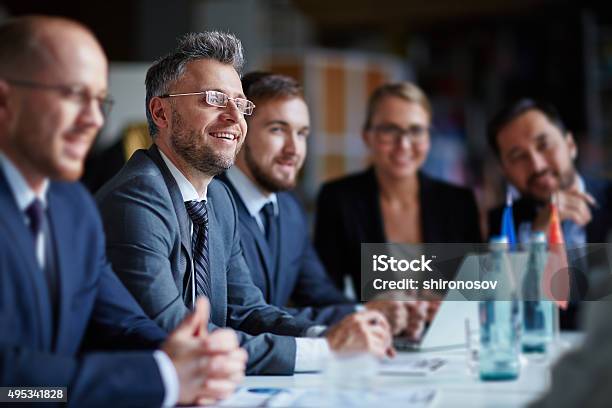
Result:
[[40, 225], [199, 216], [270, 226], [35, 213]]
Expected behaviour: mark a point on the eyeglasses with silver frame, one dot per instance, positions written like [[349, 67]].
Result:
[[220, 100]]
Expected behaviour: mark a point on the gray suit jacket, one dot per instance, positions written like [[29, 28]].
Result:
[[149, 245]]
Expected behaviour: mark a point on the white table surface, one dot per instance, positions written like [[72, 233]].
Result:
[[455, 386]]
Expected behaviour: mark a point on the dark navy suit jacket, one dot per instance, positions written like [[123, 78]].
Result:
[[41, 348], [297, 274]]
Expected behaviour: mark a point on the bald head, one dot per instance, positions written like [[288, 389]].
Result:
[[33, 43], [53, 90]]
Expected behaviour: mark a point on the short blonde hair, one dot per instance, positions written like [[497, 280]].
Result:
[[403, 90]]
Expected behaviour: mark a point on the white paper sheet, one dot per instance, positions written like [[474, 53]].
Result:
[[298, 397]]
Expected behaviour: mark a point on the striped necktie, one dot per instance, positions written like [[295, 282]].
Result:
[[199, 216]]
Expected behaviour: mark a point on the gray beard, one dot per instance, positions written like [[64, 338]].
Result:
[[205, 160]]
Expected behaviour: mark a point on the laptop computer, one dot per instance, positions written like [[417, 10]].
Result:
[[447, 331]]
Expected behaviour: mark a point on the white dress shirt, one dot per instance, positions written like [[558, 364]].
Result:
[[24, 196], [189, 193], [251, 196], [311, 352]]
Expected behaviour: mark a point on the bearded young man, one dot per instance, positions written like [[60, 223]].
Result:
[[273, 225]]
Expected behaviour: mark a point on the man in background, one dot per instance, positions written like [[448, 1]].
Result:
[[537, 152], [55, 282]]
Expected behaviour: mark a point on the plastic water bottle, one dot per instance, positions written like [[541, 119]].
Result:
[[538, 313], [500, 319]]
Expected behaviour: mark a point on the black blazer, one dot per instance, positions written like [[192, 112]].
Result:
[[348, 214]]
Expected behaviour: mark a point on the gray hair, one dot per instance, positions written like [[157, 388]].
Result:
[[222, 47]]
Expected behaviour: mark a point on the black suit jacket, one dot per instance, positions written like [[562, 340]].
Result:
[[348, 214], [297, 273]]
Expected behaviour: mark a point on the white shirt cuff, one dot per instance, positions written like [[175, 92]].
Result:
[[169, 378], [315, 331], [310, 354]]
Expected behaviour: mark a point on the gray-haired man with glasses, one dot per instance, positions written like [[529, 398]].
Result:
[[173, 230]]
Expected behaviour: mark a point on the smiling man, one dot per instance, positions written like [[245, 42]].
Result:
[[57, 290], [537, 152], [173, 230], [273, 225]]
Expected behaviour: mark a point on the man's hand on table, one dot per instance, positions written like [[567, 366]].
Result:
[[366, 331], [209, 365]]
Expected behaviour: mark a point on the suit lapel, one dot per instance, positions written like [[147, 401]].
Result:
[[371, 212], [25, 246], [286, 226], [260, 240], [263, 250], [430, 226], [177, 198], [181, 215], [217, 276], [61, 228]]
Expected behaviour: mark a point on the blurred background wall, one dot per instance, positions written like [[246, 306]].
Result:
[[470, 56]]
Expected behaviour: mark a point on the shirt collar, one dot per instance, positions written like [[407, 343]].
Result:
[[24, 195], [251, 196], [188, 191], [581, 185]]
